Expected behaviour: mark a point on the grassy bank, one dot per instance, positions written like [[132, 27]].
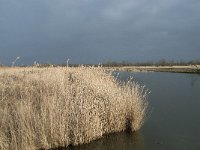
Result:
[[53, 107], [175, 69]]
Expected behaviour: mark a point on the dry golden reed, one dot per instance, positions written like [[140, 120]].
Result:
[[51, 107]]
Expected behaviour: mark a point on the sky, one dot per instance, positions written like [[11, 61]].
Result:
[[96, 31]]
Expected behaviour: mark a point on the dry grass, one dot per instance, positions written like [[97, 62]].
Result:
[[50, 107]]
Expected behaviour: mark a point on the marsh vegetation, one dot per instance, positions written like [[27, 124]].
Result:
[[55, 107]]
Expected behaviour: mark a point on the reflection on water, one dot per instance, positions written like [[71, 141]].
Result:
[[193, 79], [117, 141], [175, 119]]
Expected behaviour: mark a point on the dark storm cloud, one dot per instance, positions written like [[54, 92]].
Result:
[[92, 31]]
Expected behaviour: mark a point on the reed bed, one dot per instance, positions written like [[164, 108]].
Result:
[[42, 108]]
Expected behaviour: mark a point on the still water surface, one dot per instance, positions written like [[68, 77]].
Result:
[[174, 123]]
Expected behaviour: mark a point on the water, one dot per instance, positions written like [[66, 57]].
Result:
[[174, 122]]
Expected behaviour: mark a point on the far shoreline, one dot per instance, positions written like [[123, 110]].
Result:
[[174, 69]]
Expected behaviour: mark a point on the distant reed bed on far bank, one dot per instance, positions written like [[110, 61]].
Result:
[[61, 106]]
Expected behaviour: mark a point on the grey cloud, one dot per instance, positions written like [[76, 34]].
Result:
[[91, 31]]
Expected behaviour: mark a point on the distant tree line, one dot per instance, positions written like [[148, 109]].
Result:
[[161, 62], [111, 63]]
